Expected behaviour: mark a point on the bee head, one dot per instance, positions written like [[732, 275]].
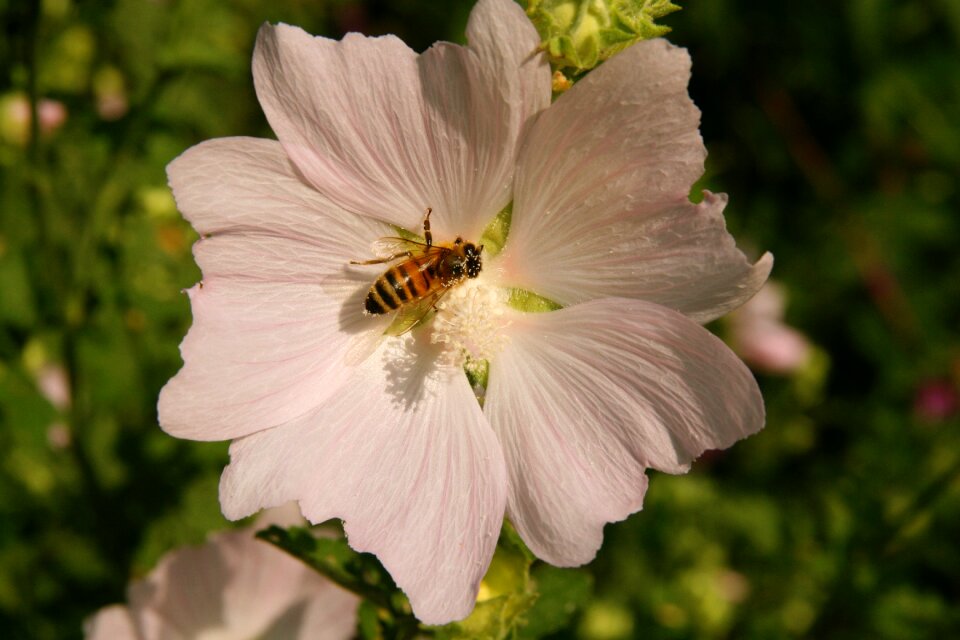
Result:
[[474, 262]]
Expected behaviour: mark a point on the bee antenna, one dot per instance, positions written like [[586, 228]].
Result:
[[480, 250]]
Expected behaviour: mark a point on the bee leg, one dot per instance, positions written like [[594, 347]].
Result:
[[426, 228], [396, 256]]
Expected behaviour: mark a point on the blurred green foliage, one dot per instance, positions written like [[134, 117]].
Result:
[[835, 127]]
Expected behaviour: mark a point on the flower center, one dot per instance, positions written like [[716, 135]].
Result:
[[468, 323]]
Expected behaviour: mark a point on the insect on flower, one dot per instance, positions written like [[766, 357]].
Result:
[[423, 274], [287, 355]]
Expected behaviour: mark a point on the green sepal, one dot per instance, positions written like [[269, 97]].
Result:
[[529, 302], [494, 237], [478, 375], [580, 34], [510, 538], [408, 235], [478, 372]]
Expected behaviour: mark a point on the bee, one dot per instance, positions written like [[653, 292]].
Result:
[[423, 272]]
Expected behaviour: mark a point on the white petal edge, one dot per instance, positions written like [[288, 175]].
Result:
[[405, 457], [387, 133], [279, 310], [584, 399], [601, 204]]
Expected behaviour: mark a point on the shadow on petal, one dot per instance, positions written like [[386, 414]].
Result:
[[414, 372]]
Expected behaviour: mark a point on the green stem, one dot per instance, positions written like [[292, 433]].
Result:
[[923, 500]]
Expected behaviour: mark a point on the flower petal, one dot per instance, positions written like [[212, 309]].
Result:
[[331, 615], [274, 316], [387, 133], [584, 399], [236, 583], [505, 40], [405, 457], [601, 191], [110, 623], [237, 186]]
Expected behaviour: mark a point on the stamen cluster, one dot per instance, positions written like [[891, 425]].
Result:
[[469, 321]]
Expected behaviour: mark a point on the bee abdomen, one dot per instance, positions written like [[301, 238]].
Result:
[[374, 304], [397, 286]]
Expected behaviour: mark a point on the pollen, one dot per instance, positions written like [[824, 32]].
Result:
[[468, 324]]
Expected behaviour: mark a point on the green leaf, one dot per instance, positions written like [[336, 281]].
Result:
[[17, 304], [360, 573], [563, 592], [368, 622]]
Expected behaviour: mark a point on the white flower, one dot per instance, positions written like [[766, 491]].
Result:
[[386, 432], [760, 336], [234, 587]]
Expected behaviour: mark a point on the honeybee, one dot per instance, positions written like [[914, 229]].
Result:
[[422, 274]]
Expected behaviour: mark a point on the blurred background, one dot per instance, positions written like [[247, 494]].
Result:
[[834, 127]]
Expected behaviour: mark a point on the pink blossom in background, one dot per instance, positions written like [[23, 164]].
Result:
[[112, 106], [760, 337], [110, 93], [936, 400], [53, 381], [234, 587], [58, 435], [15, 117], [54, 384], [52, 115], [386, 432]]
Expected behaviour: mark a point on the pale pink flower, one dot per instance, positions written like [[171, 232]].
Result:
[[54, 384], [385, 432], [52, 115], [112, 106], [761, 337], [234, 587], [58, 435], [15, 117]]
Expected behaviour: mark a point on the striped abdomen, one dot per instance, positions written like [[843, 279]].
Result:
[[402, 283]]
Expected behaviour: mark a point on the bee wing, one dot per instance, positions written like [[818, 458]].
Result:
[[412, 314], [391, 247]]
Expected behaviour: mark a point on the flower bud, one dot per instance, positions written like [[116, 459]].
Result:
[[583, 33]]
